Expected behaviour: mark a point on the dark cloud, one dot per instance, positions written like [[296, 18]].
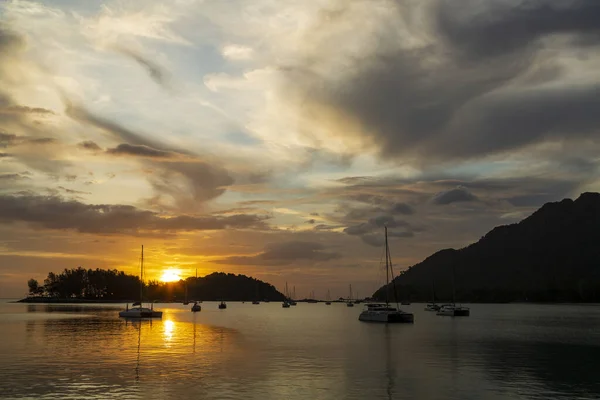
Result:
[[4, 155], [188, 183], [140, 151], [371, 232], [457, 95], [72, 191], [402, 208], [89, 145], [24, 110], [284, 254], [52, 212], [112, 128], [9, 140], [458, 194], [310, 221], [9, 41], [156, 72], [13, 177]]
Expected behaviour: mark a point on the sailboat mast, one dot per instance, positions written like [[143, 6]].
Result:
[[453, 288], [142, 276], [387, 271]]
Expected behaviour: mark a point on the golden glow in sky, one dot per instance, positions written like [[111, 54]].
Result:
[[170, 275]]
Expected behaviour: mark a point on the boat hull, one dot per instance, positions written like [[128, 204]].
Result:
[[432, 307], [140, 313], [196, 309], [456, 312], [387, 317]]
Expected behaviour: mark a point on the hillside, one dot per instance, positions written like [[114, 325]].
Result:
[[553, 255], [80, 284]]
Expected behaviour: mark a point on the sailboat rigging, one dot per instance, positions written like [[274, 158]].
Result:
[[349, 303], [377, 312], [137, 310], [452, 310]]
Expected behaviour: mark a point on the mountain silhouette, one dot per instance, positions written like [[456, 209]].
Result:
[[551, 256]]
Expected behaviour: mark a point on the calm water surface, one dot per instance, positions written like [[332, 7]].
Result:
[[311, 351]]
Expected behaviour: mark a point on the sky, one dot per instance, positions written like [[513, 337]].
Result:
[[276, 138]]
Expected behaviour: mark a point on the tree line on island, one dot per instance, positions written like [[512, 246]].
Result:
[[551, 256], [112, 285]]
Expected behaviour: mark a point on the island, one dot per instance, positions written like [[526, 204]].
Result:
[[81, 285]]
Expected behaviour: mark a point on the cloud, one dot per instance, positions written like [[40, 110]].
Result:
[[72, 191], [89, 145], [52, 212], [25, 110], [156, 72], [13, 177], [463, 82], [9, 140], [284, 254], [237, 52], [140, 150], [188, 183], [458, 194]]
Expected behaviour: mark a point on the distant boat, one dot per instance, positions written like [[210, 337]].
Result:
[[196, 307], [405, 303], [285, 303], [256, 302], [350, 303], [432, 306], [328, 298], [452, 310], [222, 305], [379, 312], [292, 300], [137, 311]]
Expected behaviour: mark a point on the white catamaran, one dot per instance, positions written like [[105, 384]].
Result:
[[137, 311], [379, 312]]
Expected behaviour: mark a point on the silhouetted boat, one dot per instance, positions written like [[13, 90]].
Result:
[[432, 306], [196, 307], [328, 298], [292, 297], [137, 310], [286, 303], [350, 303], [379, 312], [452, 310], [222, 305]]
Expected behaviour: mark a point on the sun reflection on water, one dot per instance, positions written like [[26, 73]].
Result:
[[169, 328]]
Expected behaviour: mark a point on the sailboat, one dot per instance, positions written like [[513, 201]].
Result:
[[328, 298], [285, 303], [384, 312], [222, 305], [137, 311], [432, 306], [291, 300], [196, 307], [452, 310], [350, 303]]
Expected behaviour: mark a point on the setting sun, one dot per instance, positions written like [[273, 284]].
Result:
[[171, 275]]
